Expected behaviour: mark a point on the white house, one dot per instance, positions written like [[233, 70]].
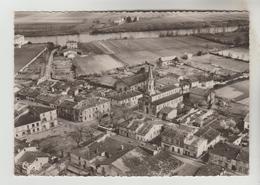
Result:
[[37, 119]]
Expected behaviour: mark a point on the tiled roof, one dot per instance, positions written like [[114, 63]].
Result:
[[32, 116], [123, 96], [166, 99], [90, 102], [111, 146], [176, 134], [31, 156], [145, 129], [167, 88], [68, 104], [208, 133], [134, 79], [226, 150]]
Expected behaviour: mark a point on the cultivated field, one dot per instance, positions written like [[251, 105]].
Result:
[[136, 51], [238, 91], [25, 54], [212, 63], [95, 64]]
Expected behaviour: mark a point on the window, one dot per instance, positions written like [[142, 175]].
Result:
[[33, 130], [33, 125], [38, 129], [37, 124]]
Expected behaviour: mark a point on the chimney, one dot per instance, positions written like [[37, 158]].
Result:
[[122, 147]]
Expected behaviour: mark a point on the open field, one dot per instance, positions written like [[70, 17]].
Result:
[[238, 91], [136, 51], [108, 54], [45, 23], [212, 63], [95, 64], [25, 54]]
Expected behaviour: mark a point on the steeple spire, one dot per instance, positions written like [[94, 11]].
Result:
[[150, 81]]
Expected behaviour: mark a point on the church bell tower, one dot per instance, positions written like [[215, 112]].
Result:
[[150, 81]]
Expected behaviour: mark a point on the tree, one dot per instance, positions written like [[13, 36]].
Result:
[[237, 40], [50, 46], [80, 134]]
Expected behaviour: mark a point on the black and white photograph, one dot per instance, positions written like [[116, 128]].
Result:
[[159, 92], [138, 92]]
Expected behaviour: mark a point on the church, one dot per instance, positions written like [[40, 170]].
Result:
[[155, 100]]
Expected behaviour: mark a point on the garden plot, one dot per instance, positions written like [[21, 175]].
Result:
[[238, 91]]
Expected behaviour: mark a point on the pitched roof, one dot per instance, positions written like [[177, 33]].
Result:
[[167, 88], [32, 116], [229, 151], [134, 79], [166, 99], [176, 134], [68, 104], [208, 133], [145, 129], [31, 156], [109, 145], [123, 96]]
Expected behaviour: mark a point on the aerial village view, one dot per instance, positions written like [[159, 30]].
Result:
[[131, 93]]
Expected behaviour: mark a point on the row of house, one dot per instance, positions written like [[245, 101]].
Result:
[[231, 157], [185, 140]]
